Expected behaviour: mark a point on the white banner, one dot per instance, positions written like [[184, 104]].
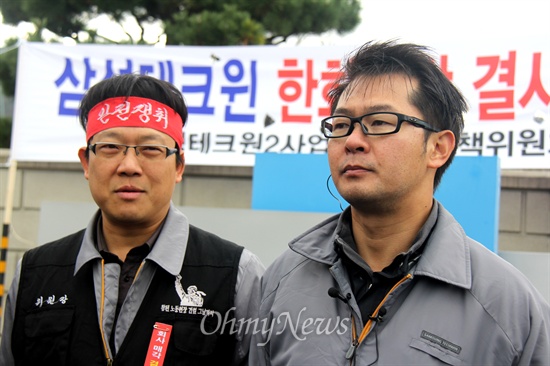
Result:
[[255, 99]]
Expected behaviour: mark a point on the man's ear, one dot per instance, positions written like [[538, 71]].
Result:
[[440, 146], [180, 168], [83, 160]]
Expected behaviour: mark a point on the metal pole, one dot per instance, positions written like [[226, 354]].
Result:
[[12, 172]]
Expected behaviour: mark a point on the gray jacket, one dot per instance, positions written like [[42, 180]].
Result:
[[460, 304]]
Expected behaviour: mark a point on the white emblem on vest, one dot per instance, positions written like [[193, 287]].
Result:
[[192, 297]]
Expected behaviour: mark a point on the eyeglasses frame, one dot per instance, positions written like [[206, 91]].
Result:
[[416, 122], [169, 151]]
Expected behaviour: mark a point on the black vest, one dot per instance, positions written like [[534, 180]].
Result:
[[56, 320]]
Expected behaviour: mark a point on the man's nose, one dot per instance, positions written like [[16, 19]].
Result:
[[130, 163], [357, 140]]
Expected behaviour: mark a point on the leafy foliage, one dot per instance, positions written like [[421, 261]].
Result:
[[8, 65], [195, 22], [8, 59], [229, 26], [5, 132]]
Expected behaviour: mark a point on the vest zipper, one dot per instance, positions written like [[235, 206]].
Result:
[[101, 311]]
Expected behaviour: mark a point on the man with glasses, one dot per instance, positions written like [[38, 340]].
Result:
[[139, 285], [393, 279]]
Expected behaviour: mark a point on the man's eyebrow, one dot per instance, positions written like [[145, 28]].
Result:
[[147, 138], [110, 134], [151, 138], [370, 109]]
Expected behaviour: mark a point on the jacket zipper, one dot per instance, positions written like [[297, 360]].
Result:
[[370, 322]]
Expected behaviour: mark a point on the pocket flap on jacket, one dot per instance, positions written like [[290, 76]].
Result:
[[195, 337], [435, 352], [48, 322]]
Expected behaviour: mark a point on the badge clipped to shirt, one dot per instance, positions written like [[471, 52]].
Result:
[[158, 344]]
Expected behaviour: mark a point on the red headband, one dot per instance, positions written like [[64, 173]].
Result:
[[134, 112]]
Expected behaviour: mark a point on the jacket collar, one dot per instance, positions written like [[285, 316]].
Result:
[[168, 251], [446, 256], [318, 242]]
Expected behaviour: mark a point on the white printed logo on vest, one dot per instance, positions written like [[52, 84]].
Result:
[[192, 297], [191, 302]]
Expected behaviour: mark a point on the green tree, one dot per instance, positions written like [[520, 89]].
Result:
[[195, 22], [8, 66], [5, 132]]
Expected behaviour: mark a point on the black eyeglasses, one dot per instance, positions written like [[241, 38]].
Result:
[[376, 124], [113, 150]]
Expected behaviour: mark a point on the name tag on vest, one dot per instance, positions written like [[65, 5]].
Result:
[[158, 344]]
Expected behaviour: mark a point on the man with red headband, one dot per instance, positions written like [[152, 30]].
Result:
[[139, 285]]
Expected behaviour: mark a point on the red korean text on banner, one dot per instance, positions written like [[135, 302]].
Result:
[[497, 104]]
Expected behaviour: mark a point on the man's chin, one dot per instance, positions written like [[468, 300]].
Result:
[[368, 202]]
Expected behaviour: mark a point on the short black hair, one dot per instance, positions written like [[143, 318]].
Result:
[[440, 102]]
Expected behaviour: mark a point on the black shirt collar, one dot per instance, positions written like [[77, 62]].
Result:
[[139, 252], [347, 249]]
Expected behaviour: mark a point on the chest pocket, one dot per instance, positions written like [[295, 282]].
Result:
[[195, 341], [434, 351], [47, 334]]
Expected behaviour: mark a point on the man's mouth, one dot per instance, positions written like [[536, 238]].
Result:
[[129, 192]]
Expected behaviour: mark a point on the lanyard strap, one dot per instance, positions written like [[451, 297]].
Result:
[[374, 316]]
